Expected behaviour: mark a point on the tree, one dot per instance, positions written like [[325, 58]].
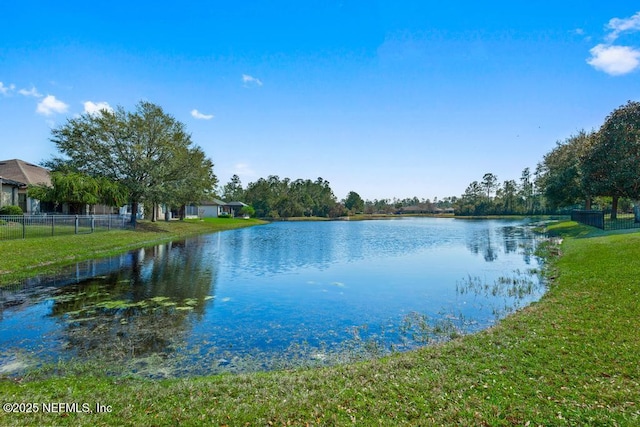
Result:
[[561, 172], [508, 196], [146, 151], [525, 191], [232, 191], [470, 203], [489, 183], [354, 202], [78, 190], [612, 164], [197, 180]]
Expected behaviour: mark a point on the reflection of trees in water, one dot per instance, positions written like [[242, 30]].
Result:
[[138, 310], [509, 239], [480, 242]]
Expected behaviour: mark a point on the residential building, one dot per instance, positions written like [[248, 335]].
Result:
[[15, 176]]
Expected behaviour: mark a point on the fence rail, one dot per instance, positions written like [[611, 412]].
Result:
[[602, 219], [25, 226]]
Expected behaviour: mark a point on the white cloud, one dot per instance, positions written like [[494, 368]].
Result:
[[243, 169], [30, 92], [4, 90], [198, 115], [50, 105], [617, 60], [614, 60], [250, 81], [619, 26], [96, 107]]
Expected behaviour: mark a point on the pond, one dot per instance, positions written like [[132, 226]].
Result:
[[281, 295]]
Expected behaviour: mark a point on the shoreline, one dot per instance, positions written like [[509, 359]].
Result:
[[27, 258]]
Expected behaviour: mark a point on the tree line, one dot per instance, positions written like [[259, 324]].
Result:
[[275, 197], [600, 166], [116, 157], [591, 168]]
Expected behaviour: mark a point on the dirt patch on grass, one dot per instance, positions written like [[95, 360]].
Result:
[[152, 227]]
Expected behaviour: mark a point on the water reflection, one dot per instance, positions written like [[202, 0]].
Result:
[[275, 293], [508, 239], [137, 305]]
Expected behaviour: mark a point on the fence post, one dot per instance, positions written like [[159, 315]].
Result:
[[93, 223], [24, 227], [76, 224], [52, 224]]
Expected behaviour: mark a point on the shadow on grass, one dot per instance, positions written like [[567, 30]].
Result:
[[580, 231], [152, 227]]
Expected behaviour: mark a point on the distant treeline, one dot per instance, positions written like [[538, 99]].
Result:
[[274, 197], [591, 169]]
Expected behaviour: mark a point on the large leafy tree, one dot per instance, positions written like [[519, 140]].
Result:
[[147, 151], [612, 164], [561, 172], [354, 202], [197, 180]]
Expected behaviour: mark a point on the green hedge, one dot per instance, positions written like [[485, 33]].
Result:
[[10, 210]]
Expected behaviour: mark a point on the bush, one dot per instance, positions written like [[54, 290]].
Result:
[[10, 210], [248, 211]]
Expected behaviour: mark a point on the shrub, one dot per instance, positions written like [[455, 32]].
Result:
[[248, 211], [10, 210]]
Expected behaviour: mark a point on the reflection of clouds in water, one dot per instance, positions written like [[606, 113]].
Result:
[[286, 283], [285, 246]]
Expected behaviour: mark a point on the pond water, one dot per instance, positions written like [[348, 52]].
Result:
[[275, 296]]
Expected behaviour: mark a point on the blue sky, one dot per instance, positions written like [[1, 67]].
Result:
[[385, 98]]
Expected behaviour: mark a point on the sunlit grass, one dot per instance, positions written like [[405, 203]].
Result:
[[569, 359]]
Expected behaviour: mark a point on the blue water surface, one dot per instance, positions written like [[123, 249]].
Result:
[[279, 295]]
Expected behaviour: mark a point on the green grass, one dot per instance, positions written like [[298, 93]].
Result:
[[46, 255], [570, 359]]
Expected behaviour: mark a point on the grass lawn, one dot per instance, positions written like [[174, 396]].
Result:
[[570, 359], [23, 258]]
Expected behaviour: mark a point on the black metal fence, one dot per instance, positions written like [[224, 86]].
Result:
[[602, 219], [24, 226]]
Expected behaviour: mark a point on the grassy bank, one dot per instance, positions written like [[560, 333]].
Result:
[[570, 359], [45, 255]]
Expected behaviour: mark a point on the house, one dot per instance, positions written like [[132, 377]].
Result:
[[215, 208], [15, 176], [211, 208], [233, 208]]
